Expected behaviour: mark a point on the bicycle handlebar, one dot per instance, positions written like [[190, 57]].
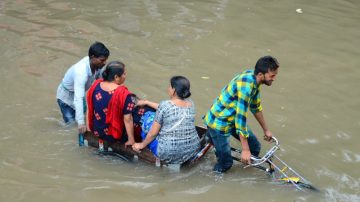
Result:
[[255, 161]]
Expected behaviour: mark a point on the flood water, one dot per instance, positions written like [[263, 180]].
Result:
[[313, 107]]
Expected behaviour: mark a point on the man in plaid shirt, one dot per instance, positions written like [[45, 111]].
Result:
[[228, 114]]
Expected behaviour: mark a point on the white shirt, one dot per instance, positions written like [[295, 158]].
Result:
[[77, 80]]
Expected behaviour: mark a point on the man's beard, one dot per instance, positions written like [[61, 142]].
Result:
[[267, 82]]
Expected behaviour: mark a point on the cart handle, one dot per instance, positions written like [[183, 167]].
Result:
[[255, 161]]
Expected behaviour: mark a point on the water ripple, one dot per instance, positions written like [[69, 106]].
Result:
[[96, 188], [133, 184], [197, 190], [343, 180], [343, 135], [338, 196]]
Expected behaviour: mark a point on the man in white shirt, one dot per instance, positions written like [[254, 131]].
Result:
[[77, 80]]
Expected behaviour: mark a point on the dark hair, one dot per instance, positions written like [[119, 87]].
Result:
[[181, 85], [112, 69], [98, 49], [266, 63]]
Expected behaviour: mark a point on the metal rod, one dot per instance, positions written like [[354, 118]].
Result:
[[306, 181], [284, 174]]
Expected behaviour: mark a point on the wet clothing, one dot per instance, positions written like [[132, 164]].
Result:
[[67, 112], [112, 109], [178, 140], [223, 149], [101, 102], [229, 111], [228, 114], [71, 91]]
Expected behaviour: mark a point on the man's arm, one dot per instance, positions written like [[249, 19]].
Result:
[[245, 150], [256, 109], [87, 119], [79, 96], [260, 118]]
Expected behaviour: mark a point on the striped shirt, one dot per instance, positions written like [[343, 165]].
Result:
[[228, 113]]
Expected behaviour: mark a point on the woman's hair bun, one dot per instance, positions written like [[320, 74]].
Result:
[[181, 85]]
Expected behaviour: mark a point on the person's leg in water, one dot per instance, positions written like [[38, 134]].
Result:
[[67, 112], [222, 150]]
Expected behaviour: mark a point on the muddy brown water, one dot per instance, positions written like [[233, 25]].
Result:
[[313, 107]]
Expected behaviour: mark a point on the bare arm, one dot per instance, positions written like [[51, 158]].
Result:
[[153, 105], [87, 119], [155, 128], [245, 153], [79, 95], [129, 126], [260, 118]]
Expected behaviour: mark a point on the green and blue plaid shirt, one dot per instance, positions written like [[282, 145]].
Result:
[[229, 111]]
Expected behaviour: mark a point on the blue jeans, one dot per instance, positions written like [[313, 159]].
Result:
[[68, 113], [223, 149]]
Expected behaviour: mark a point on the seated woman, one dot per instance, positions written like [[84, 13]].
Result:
[[112, 114], [173, 127]]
